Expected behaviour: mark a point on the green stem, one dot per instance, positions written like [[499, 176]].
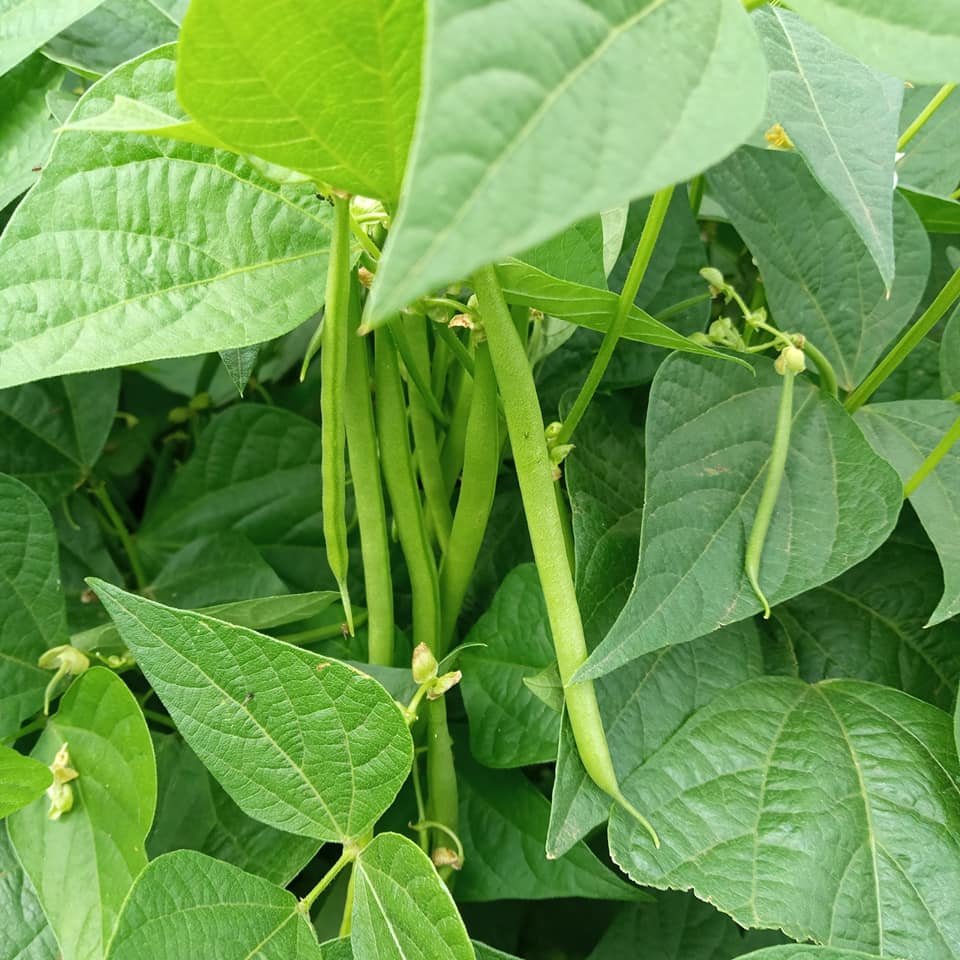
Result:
[[415, 374], [771, 490], [120, 528], [641, 259], [902, 348], [441, 774], [348, 855], [936, 455], [446, 831], [828, 376], [455, 346], [363, 238], [695, 193], [925, 114], [333, 373], [368, 492], [346, 923], [327, 632], [449, 302], [532, 459], [454, 444], [481, 463], [682, 305], [423, 838], [38, 723]]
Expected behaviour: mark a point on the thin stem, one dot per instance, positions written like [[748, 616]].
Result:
[[415, 373], [641, 259], [38, 723], [348, 855], [327, 632], [120, 528], [455, 346], [454, 305], [368, 492], [160, 718], [682, 305], [902, 348], [935, 456], [828, 376], [481, 464], [454, 444], [422, 837], [363, 238], [346, 922], [532, 459], [925, 114], [422, 824], [695, 193]]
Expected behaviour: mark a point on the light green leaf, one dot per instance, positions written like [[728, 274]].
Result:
[[869, 624], [829, 811], [676, 927], [402, 910], [840, 303], [342, 949], [905, 433], [325, 749], [26, 127], [24, 934], [709, 433], [22, 780], [547, 687], [574, 254], [26, 25], [485, 183], [937, 214], [510, 726], [842, 117], [240, 363], [55, 430], [920, 42], [614, 223], [804, 952], [294, 89], [99, 845], [503, 827], [32, 614], [188, 901], [195, 813], [154, 273], [116, 31], [926, 162], [950, 356], [255, 471]]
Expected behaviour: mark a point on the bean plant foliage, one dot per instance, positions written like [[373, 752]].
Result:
[[479, 479]]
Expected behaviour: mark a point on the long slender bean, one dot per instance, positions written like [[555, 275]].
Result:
[[441, 773], [451, 456]]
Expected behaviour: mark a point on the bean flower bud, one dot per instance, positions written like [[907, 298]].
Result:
[[424, 665], [791, 359]]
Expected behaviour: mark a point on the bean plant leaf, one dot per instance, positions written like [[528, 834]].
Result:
[[842, 117], [905, 433], [484, 184], [503, 826], [22, 780], [918, 41], [247, 264], [32, 613], [240, 363], [574, 254], [256, 472], [195, 813], [402, 910], [342, 949], [26, 127], [807, 952], [187, 898], [26, 26], [840, 303], [55, 430], [315, 747], [298, 92], [510, 726], [925, 164], [708, 440], [99, 845], [869, 624], [115, 31], [24, 934], [937, 214], [950, 356], [853, 843]]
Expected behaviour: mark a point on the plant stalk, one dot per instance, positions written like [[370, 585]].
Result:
[[925, 114], [120, 528], [934, 458]]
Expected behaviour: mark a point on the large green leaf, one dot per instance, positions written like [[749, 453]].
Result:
[[575, 254], [26, 25], [485, 183], [54, 430], [829, 811], [86, 284], [806, 952], [26, 127], [402, 910], [22, 780], [709, 434], [849, 139], [839, 302], [300, 742], [509, 725], [100, 845], [869, 624], [925, 164], [188, 904], [116, 31], [905, 433], [937, 214], [32, 613], [950, 356], [919, 41], [255, 471], [24, 934], [195, 813], [333, 95], [503, 826]]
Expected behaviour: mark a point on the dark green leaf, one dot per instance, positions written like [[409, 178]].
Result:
[[319, 749], [98, 847], [185, 901], [927, 161], [950, 356], [801, 952], [917, 378], [937, 214], [24, 934], [829, 811], [22, 780]]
